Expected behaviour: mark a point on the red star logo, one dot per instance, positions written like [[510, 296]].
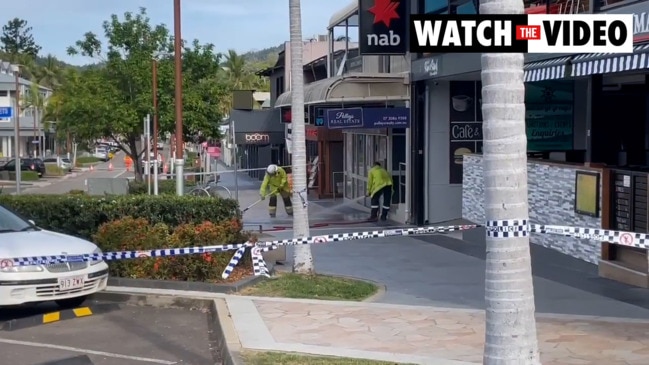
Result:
[[384, 11]]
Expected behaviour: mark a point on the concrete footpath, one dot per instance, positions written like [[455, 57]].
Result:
[[410, 334]]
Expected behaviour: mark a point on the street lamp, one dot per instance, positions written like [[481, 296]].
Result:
[[178, 64], [16, 71]]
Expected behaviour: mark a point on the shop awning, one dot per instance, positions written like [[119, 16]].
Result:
[[353, 88], [602, 63], [552, 69]]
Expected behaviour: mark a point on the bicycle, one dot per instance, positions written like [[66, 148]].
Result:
[[211, 188]]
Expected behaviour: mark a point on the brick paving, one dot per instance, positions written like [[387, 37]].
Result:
[[453, 334]]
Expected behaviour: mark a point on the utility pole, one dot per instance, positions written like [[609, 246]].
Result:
[[154, 71], [178, 63], [16, 70]]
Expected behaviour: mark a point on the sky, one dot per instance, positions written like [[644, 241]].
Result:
[[241, 25]]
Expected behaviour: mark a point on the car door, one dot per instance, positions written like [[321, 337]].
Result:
[[9, 166]]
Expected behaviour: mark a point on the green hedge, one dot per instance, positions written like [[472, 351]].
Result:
[[53, 170], [24, 176], [165, 187], [87, 159], [81, 215]]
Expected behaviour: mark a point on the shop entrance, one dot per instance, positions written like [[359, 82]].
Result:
[[362, 151]]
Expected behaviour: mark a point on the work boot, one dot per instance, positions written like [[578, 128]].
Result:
[[272, 215], [383, 219]]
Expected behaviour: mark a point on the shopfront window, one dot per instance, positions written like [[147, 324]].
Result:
[[436, 6], [359, 165], [549, 115]]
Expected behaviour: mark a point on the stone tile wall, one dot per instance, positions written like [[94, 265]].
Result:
[[551, 191]]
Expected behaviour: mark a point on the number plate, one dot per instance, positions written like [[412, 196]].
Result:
[[69, 283]]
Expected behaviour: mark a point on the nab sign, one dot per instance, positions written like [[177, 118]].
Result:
[[535, 33], [383, 27]]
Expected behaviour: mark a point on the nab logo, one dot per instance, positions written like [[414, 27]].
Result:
[[383, 26], [384, 11], [536, 33]]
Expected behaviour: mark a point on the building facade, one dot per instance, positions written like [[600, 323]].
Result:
[[587, 123], [372, 87], [31, 120]]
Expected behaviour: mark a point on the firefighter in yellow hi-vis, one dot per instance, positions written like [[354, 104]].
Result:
[[277, 182], [379, 183]]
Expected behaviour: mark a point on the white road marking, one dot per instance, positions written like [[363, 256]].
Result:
[[84, 351], [121, 173]]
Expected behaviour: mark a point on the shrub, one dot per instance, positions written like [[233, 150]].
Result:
[[53, 170], [165, 187], [138, 234], [24, 176], [76, 192], [82, 160], [81, 215]]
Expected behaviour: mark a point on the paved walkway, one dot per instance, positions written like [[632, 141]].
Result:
[[410, 334], [422, 334]]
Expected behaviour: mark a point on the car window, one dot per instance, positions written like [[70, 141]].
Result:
[[11, 222], [11, 163], [49, 160], [66, 160]]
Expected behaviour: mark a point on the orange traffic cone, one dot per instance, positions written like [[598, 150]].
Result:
[[110, 166], [92, 168], [165, 169]]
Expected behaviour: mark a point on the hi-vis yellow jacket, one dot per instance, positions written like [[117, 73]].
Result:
[[276, 183], [377, 179]]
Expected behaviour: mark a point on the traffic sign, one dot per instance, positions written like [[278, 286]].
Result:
[[6, 112]]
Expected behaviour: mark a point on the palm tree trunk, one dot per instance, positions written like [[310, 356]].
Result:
[[35, 147], [510, 337], [302, 258]]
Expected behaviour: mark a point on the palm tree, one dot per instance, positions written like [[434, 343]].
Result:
[[510, 337], [235, 66], [35, 100], [49, 74], [302, 258]]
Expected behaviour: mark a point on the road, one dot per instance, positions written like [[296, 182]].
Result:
[[127, 335], [72, 181]]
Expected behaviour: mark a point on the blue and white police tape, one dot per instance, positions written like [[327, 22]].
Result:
[[260, 266], [118, 255], [498, 229], [234, 261], [521, 228]]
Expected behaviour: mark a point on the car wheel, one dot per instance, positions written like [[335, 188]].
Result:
[[71, 302]]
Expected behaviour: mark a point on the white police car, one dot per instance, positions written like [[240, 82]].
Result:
[[68, 284]]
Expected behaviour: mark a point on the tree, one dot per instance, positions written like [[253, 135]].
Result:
[[509, 294], [112, 100], [17, 39], [35, 101], [49, 74], [235, 66], [302, 257]]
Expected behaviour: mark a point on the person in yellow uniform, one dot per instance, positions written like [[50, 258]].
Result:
[[276, 181], [379, 184]]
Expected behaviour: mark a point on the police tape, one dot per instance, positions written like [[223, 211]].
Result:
[[265, 246], [496, 229]]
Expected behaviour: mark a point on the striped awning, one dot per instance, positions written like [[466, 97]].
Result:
[[603, 63], [551, 69]]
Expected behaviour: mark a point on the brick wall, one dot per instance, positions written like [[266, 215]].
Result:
[[551, 192]]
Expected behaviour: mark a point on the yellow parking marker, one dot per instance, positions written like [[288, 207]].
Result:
[[58, 316], [82, 312], [51, 317]]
